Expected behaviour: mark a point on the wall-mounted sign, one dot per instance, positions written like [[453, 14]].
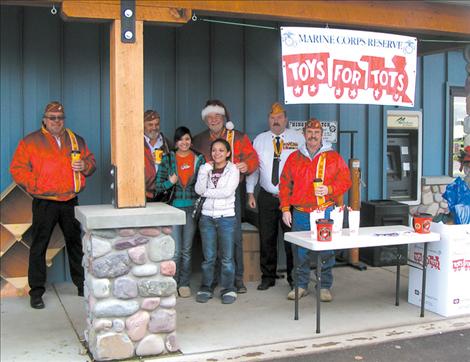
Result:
[[330, 129], [405, 119], [345, 66]]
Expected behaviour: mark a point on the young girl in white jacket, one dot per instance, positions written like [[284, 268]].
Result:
[[217, 181]]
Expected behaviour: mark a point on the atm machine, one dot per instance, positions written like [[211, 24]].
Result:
[[403, 164], [404, 155]]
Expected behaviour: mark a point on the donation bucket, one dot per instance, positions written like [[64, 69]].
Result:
[[422, 223], [324, 229]]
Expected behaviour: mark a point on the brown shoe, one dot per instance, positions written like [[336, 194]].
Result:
[[184, 292], [302, 292], [325, 295]]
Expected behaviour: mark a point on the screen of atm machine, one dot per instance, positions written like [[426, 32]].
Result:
[[391, 167], [393, 164]]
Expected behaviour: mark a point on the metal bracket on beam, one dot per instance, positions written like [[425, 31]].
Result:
[[128, 21]]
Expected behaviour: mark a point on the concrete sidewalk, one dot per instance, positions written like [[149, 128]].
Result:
[[259, 326]]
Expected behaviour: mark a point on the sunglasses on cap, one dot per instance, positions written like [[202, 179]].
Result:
[[55, 118]]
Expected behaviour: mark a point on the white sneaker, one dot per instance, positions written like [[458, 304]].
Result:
[[184, 292], [302, 292], [325, 295]]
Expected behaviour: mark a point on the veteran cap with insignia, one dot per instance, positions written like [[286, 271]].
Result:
[[54, 107], [277, 108], [151, 115], [313, 123]]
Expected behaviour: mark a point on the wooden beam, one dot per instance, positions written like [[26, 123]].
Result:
[[421, 17], [111, 9], [402, 16], [127, 114]]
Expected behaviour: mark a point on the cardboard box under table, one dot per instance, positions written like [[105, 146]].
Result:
[[390, 235], [448, 271], [251, 253]]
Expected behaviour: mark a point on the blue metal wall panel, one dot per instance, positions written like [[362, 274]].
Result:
[[104, 149], [81, 94], [11, 90], [42, 63], [193, 74], [434, 155], [227, 71], [372, 168], [456, 72], [160, 75], [261, 77]]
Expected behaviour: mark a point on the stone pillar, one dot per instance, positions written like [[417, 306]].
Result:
[[432, 202], [129, 289]]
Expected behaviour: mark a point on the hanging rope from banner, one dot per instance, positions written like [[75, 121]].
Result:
[[195, 18]]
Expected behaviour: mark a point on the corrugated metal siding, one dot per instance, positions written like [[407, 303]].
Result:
[[43, 58]]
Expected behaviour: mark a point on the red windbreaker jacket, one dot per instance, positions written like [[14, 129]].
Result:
[[44, 170], [296, 182]]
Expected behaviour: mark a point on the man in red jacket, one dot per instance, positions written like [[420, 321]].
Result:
[[155, 146], [244, 156], [51, 165], [314, 160]]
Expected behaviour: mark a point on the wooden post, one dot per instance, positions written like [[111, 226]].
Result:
[[127, 114], [355, 200]]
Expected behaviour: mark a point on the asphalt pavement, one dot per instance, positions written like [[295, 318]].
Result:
[[444, 347]]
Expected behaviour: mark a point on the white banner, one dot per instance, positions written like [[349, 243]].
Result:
[[321, 65]]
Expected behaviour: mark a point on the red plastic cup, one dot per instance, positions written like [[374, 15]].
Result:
[[324, 229], [422, 223]]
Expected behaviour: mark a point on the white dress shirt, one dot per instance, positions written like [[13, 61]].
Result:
[[263, 145]]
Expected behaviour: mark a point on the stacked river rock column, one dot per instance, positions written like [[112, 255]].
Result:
[[130, 292]]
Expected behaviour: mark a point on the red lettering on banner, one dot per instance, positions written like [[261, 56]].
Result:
[[434, 262], [310, 71], [418, 257], [347, 74], [394, 81], [467, 265], [306, 70], [457, 264]]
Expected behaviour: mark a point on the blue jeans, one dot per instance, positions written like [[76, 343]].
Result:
[[301, 222], [238, 253], [218, 234], [183, 236]]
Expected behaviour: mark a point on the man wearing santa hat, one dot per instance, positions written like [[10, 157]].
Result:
[[217, 119]]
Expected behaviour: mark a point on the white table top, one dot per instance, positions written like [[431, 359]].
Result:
[[368, 236]]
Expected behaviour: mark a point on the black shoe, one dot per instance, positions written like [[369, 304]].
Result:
[[240, 287], [36, 302], [266, 284], [80, 292]]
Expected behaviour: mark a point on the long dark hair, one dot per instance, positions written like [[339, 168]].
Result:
[[180, 132], [225, 143]]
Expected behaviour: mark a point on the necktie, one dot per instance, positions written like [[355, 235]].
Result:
[[276, 161]]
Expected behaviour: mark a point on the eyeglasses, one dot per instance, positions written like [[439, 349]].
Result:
[[55, 118]]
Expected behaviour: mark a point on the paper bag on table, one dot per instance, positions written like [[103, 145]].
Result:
[[354, 221], [337, 215]]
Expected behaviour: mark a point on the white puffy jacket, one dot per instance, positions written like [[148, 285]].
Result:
[[220, 200]]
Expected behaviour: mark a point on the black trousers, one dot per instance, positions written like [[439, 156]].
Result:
[[269, 218], [46, 214]]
